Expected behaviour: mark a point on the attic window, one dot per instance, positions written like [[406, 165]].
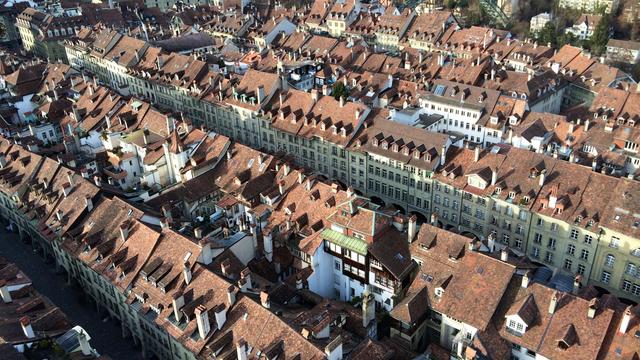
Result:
[[498, 190], [512, 194], [516, 326]]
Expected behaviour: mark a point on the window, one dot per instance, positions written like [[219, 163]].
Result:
[[551, 244], [635, 290], [584, 255], [567, 264], [615, 242], [581, 269], [574, 234], [588, 239], [571, 249], [554, 227], [535, 253], [537, 238], [609, 261], [626, 286], [631, 269], [605, 278], [548, 257], [518, 243]]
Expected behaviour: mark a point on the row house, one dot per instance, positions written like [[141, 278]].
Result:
[[587, 76], [315, 123], [171, 294], [367, 252], [453, 295]]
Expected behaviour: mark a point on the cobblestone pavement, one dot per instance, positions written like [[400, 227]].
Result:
[[105, 334]]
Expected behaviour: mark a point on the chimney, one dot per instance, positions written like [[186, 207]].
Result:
[[434, 218], [300, 177], [504, 255], [124, 231], [5, 292], [281, 187], [309, 184], [207, 255], [166, 212], [97, 181], [231, 295], [493, 74], [85, 348], [525, 280], [241, 349], [186, 270], [202, 318], [260, 94], [246, 276], [287, 168], [299, 283], [341, 101], [268, 246], [412, 229], [626, 319], [494, 176], [88, 202], [178, 303], [59, 215], [314, 95], [333, 350], [586, 125], [476, 154], [264, 299], [26, 327], [577, 283], [197, 232], [220, 312], [443, 155], [325, 90], [542, 176], [593, 307], [553, 304], [66, 189], [594, 164], [368, 308]]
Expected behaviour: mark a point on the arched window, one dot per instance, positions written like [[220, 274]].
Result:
[[609, 261]]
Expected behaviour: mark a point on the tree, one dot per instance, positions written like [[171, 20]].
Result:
[[547, 35], [600, 38], [339, 90]]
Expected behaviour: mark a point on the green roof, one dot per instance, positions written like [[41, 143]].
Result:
[[345, 241]]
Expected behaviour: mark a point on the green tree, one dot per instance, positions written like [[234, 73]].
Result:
[[547, 35], [600, 37], [339, 90]]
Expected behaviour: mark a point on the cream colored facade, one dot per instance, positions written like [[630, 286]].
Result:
[[546, 240]]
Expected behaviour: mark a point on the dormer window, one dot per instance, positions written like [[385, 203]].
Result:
[[416, 154], [385, 145], [498, 190], [375, 142], [406, 151], [516, 326], [512, 194], [394, 148]]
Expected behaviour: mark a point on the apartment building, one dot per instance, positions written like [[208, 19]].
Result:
[[368, 252], [392, 27], [590, 5], [584, 27], [42, 34], [156, 281], [321, 133]]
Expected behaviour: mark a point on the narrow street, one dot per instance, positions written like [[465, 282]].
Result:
[[105, 335]]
